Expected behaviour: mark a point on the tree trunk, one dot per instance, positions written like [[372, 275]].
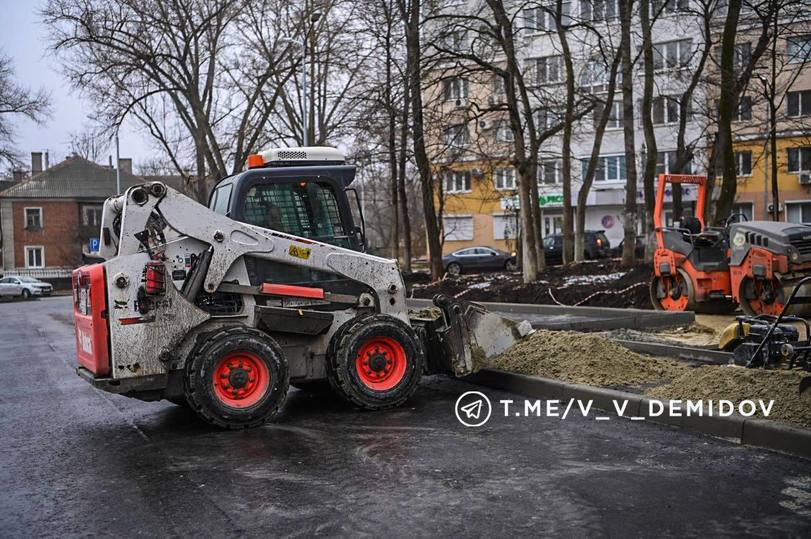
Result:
[[629, 223], [392, 151], [724, 156], [401, 183], [582, 195], [536, 221], [647, 123], [568, 214], [414, 58], [522, 160]]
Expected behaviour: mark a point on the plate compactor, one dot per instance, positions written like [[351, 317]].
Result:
[[754, 264], [222, 308], [773, 342]]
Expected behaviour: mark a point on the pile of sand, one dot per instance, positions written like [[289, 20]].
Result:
[[737, 384], [582, 358]]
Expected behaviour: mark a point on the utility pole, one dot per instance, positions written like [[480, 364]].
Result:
[[117, 166]]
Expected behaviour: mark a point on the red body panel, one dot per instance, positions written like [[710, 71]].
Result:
[[89, 313], [292, 290]]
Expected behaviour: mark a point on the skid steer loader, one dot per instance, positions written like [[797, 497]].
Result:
[[222, 308]]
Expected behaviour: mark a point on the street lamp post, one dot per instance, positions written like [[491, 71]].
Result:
[[314, 17]]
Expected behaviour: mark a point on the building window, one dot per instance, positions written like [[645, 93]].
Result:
[[672, 54], [668, 6], [503, 132], [455, 41], [614, 118], [499, 90], [599, 10], [91, 215], [798, 48], [798, 212], [548, 118], [744, 110], [741, 55], [456, 135], [743, 163], [548, 70], [745, 209], [542, 19], [458, 228], [609, 169], [504, 178], [455, 89], [457, 182], [505, 226], [666, 110], [799, 159], [33, 218], [666, 163], [596, 74], [549, 172], [799, 103], [34, 256]]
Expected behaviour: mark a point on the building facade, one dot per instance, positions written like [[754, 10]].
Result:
[[50, 222], [472, 150]]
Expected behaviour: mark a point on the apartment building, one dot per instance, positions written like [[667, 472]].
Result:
[[791, 90], [471, 152]]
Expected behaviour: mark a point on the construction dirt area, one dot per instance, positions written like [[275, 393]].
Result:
[[592, 359], [601, 283]]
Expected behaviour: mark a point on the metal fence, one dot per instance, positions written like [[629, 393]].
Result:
[[41, 273]]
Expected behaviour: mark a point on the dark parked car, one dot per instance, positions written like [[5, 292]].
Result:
[[639, 248], [478, 259], [596, 245]]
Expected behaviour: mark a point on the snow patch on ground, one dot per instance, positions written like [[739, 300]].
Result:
[[593, 279]]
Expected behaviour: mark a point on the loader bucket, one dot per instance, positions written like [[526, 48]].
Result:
[[460, 336]]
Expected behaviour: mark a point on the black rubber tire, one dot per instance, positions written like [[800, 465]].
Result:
[[198, 374], [343, 351], [26, 294], [458, 267], [180, 401], [510, 265]]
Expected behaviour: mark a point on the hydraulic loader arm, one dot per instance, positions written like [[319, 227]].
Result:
[[151, 214]]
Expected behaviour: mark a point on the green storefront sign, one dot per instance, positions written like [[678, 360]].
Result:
[[550, 200]]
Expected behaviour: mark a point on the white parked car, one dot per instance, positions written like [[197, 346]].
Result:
[[24, 287], [9, 287]]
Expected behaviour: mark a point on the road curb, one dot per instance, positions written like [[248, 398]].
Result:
[[755, 432]]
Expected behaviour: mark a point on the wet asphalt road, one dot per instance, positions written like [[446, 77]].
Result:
[[76, 461]]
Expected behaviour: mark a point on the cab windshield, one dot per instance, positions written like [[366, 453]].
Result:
[[304, 208]]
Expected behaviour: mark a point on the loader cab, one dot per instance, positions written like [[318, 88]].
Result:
[[300, 191]]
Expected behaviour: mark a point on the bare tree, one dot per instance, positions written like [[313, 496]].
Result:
[[410, 12], [169, 65], [17, 102], [88, 143], [630, 221]]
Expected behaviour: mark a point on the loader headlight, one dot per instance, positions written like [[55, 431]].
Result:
[[793, 254]]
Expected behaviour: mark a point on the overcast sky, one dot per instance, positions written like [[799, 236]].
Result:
[[24, 39]]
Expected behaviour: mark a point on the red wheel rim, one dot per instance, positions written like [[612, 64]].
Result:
[[240, 379], [381, 363], [761, 306], [669, 303]]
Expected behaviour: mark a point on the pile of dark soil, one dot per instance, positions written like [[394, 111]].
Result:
[[569, 285]]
